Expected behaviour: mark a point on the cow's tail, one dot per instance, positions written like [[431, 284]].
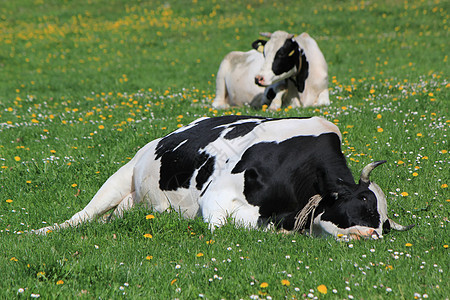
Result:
[[116, 193]]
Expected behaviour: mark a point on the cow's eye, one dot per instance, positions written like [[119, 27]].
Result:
[[364, 198]]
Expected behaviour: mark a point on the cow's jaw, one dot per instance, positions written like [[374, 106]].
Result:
[[326, 228]]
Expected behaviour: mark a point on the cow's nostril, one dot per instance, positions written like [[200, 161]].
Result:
[[259, 79]]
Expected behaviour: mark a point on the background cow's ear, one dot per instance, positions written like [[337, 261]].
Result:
[[259, 45]]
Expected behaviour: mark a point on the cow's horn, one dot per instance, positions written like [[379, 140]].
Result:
[[365, 173], [265, 34], [399, 227]]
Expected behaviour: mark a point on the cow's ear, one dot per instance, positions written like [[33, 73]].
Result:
[[258, 45]]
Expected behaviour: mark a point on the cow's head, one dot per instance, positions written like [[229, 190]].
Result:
[[282, 58], [359, 211]]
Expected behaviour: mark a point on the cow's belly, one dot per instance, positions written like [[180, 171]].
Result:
[[146, 184]]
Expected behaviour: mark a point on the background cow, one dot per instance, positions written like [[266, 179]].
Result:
[[258, 171], [285, 70]]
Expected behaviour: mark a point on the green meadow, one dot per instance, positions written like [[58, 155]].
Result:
[[85, 84]]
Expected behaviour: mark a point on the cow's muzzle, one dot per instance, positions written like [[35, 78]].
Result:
[[259, 80]]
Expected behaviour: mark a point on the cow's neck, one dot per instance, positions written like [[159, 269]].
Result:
[[300, 77]]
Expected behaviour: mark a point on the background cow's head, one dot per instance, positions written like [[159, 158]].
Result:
[[282, 58], [360, 210]]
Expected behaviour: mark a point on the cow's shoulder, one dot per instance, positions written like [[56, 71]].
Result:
[[183, 153]]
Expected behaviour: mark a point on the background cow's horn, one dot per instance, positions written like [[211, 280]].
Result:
[[399, 227], [266, 34], [365, 173]]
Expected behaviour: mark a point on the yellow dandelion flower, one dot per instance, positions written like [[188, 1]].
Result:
[[446, 246], [60, 282], [199, 254], [389, 267], [149, 257], [419, 134], [263, 285], [148, 236], [400, 162], [17, 158], [13, 259], [444, 151], [9, 201], [74, 185], [149, 217], [322, 289], [404, 194], [379, 116], [408, 245], [415, 174], [101, 127], [173, 281], [210, 242], [444, 186], [379, 129], [285, 282]]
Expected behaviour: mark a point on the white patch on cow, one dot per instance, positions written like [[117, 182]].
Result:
[[224, 199], [179, 145]]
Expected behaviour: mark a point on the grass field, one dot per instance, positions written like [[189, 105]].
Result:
[[85, 84]]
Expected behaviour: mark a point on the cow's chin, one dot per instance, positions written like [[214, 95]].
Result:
[[327, 228], [272, 78]]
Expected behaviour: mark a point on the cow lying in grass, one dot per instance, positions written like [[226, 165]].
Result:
[[286, 70], [289, 172]]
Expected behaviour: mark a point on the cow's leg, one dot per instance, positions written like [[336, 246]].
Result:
[[127, 203], [324, 98], [277, 101], [116, 191], [223, 200]]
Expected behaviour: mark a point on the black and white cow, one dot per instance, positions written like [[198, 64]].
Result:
[[283, 71], [256, 170]]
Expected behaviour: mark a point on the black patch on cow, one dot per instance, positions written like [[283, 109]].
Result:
[[206, 188], [386, 227], [281, 177], [240, 129], [204, 172], [259, 43], [286, 58], [301, 77], [181, 154], [356, 205], [270, 95]]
